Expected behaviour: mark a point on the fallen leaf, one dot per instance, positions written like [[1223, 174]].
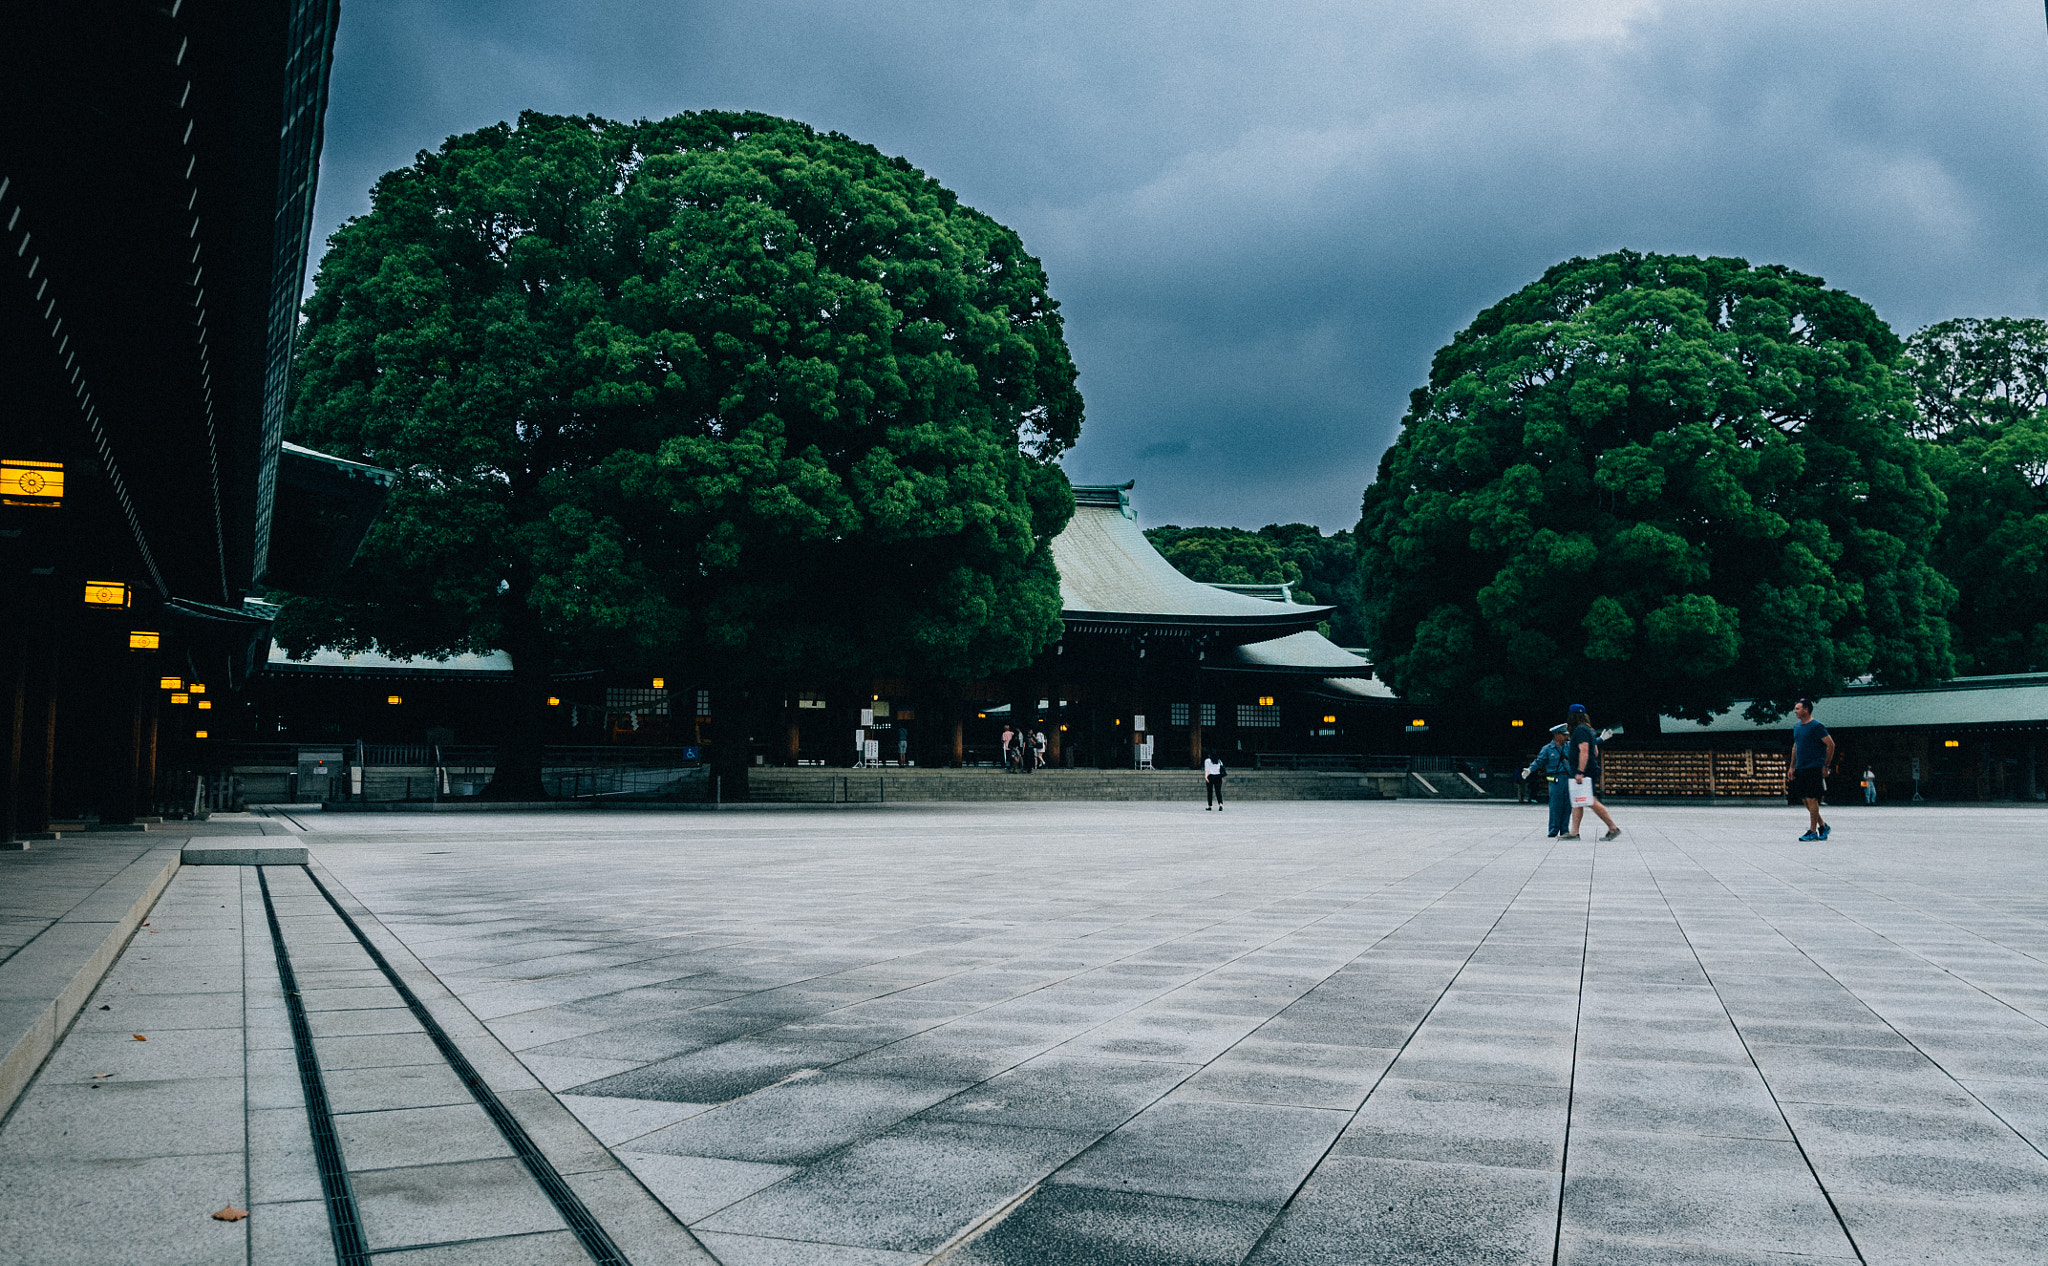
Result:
[[231, 1214], [97, 1076], [109, 1007], [138, 1037]]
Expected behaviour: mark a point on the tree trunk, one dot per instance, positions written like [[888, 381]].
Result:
[[730, 754], [517, 775]]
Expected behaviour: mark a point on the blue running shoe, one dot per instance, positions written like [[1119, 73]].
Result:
[[1824, 829], [1810, 835]]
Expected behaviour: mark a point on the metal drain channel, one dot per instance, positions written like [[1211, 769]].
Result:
[[592, 1236], [349, 1247]]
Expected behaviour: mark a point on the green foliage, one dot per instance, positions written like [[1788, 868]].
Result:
[[719, 384], [1983, 386], [1656, 484], [1322, 569]]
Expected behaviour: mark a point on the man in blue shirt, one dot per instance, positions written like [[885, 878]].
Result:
[[1553, 765], [1813, 754]]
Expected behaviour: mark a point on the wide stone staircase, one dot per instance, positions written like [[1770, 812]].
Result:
[[882, 785]]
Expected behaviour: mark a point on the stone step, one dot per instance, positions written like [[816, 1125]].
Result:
[[877, 785]]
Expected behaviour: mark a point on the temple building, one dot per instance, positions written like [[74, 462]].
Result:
[[157, 169]]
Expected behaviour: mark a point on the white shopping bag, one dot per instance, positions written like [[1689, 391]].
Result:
[[1582, 792]]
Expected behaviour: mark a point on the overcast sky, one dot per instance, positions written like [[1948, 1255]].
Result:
[[1261, 218]]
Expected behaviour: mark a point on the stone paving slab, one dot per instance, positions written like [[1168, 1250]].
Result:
[[1307, 1033]]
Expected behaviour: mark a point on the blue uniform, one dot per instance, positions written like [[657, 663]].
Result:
[[1554, 763]]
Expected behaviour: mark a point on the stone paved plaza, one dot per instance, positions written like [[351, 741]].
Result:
[[1292, 1033]]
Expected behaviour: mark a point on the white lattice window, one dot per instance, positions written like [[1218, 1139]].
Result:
[[1258, 715], [1208, 714], [1180, 714], [704, 703], [645, 703]]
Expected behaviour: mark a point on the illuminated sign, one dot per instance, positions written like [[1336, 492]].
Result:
[[198, 687], [1329, 720], [393, 699], [106, 593], [1516, 724], [171, 683], [181, 697], [204, 704], [1418, 724], [26, 483], [141, 641], [199, 734], [1951, 743], [1265, 701]]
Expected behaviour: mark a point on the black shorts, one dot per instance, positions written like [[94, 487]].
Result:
[[1807, 783]]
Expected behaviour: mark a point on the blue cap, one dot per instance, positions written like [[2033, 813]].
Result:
[[1577, 707]]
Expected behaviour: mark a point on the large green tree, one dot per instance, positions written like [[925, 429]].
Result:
[[1983, 388], [719, 390], [1656, 484], [1322, 568]]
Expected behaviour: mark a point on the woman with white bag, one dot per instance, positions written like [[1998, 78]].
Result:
[[1585, 773]]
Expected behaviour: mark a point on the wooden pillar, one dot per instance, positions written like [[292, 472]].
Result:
[[145, 780], [39, 739], [15, 700], [124, 754], [1055, 737], [794, 735]]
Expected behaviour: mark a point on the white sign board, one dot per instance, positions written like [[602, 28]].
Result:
[[872, 750], [867, 716], [1138, 721]]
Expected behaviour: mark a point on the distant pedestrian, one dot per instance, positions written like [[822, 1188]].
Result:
[[902, 746], [1038, 748], [1212, 784], [1009, 750], [1552, 770], [1869, 786], [1585, 759], [1813, 754]]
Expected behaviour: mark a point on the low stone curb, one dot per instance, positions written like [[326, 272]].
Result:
[[43, 986]]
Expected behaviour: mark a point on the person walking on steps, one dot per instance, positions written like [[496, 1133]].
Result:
[[1212, 784], [1038, 748], [1009, 750], [1813, 754], [1585, 759], [1552, 768]]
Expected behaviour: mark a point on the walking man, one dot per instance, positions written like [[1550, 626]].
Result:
[[1552, 768], [1869, 786], [1009, 753], [1813, 754], [1585, 758], [1212, 781]]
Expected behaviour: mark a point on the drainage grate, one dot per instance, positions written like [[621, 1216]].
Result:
[[592, 1236], [349, 1248]]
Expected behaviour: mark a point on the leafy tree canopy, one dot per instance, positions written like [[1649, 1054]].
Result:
[[718, 385], [1322, 569], [1983, 388], [1656, 484]]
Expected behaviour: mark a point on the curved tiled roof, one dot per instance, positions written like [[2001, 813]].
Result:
[[1307, 652], [1110, 574], [2020, 699]]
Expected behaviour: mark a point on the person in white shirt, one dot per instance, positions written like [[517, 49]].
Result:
[[1212, 779]]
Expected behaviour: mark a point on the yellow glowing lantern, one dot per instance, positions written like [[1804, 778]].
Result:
[[26, 483], [106, 593], [554, 702], [1329, 720], [171, 683], [204, 704], [393, 699], [198, 687], [1515, 724], [1951, 743], [199, 734], [139, 640], [181, 697], [661, 683], [1265, 701]]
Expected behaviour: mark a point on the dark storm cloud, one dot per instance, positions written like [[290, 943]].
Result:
[[1262, 219]]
